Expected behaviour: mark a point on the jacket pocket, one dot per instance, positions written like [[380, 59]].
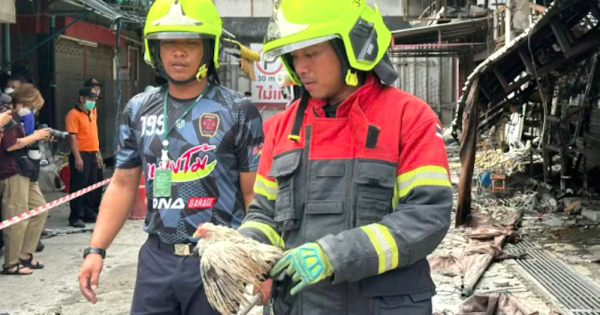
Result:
[[283, 170], [409, 304], [323, 217], [374, 192]]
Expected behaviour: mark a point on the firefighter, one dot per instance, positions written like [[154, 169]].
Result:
[[197, 144], [353, 180]]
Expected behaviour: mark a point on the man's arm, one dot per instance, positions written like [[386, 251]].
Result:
[[247, 186], [422, 206], [121, 193], [74, 146], [249, 140], [72, 127], [116, 204]]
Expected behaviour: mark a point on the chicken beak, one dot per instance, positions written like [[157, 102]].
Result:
[[196, 234]]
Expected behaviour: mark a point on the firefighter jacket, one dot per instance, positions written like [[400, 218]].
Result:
[[370, 186]]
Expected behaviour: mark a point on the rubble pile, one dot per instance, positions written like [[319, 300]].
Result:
[[492, 304], [463, 264], [563, 223]]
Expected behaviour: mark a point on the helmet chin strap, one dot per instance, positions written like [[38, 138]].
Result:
[[349, 74], [200, 74]]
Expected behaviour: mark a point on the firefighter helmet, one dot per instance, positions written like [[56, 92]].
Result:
[[359, 29], [182, 19]]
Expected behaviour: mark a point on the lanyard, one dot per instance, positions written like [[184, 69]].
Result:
[[166, 119]]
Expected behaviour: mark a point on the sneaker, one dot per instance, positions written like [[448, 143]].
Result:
[[77, 223]]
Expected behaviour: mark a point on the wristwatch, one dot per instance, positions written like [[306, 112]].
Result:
[[94, 250]]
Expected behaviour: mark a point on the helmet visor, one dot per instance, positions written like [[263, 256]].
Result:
[[271, 55], [177, 35]]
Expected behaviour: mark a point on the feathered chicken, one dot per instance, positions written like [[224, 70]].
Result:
[[229, 262]]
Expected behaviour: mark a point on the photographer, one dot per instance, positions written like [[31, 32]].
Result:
[[18, 177]]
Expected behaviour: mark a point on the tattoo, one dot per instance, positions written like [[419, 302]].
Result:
[[129, 174]]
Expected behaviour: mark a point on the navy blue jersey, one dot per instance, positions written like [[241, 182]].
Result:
[[217, 139]]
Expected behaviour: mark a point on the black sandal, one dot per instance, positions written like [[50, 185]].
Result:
[[16, 272], [28, 263]]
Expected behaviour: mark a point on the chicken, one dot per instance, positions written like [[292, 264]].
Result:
[[229, 262]]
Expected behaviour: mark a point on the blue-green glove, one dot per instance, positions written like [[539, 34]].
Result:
[[308, 264]]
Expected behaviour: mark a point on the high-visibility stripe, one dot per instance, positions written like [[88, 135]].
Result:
[[268, 231], [385, 246], [265, 187], [430, 175]]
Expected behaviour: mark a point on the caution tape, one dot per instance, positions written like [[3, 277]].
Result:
[[53, 204]]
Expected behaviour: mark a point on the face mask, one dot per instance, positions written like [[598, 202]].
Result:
[[89, 105]]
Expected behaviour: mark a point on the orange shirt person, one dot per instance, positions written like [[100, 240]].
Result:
[[85, 158]]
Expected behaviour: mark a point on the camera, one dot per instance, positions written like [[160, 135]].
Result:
[[37, 150], [12, 123], [57, 134]]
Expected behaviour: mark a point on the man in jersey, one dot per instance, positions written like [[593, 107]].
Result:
[[197, 144]]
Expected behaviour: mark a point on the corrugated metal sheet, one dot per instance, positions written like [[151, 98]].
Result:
[[447, 31], [264, 8], [69, 63]]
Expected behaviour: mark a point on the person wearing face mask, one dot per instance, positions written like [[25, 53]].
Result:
[[18, 184], [96, 195], [85, 158]]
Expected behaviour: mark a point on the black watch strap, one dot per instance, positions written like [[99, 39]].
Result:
[[94, 250]]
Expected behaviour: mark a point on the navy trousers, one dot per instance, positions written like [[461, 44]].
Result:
[[167, 284]]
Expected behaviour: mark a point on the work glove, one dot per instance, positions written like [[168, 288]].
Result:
[[308, 264]]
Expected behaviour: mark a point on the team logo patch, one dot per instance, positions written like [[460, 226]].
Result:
[[209, 124], [180, 124]]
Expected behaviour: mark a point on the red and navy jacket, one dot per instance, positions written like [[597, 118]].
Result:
[[370, 185]]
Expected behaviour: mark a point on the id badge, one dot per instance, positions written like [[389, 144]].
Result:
[[162, 183]]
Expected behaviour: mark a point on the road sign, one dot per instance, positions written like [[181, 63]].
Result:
[[265, 90], [269, 68]]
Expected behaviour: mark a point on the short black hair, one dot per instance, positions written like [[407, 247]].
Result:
[[18, 77], [247, 93]]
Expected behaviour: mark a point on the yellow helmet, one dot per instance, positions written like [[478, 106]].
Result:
[[181, 19], [358, 32]]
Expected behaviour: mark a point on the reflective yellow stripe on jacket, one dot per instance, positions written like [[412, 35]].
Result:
[[268, 231], [385, 246], [429, 175], [265, 187]]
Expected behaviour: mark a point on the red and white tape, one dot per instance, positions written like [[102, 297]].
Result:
[[53, 204]]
